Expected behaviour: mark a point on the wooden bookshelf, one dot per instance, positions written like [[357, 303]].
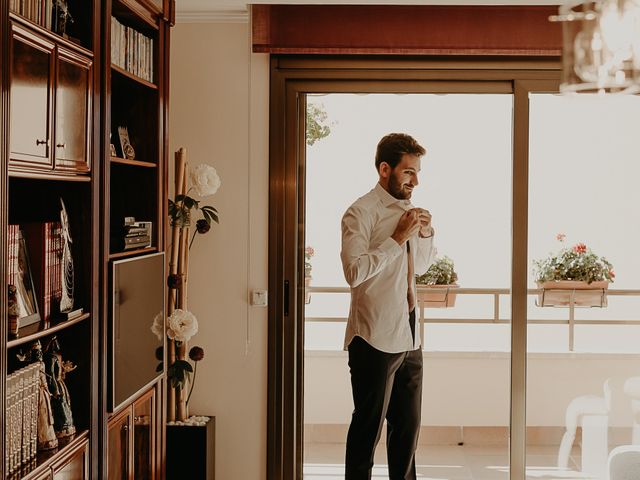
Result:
[[34, 332], [133, 163], [56, 137], [45, 459], [131, 76], [132, 253], [135, 188]]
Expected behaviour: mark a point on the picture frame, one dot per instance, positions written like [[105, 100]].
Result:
[[23, 307], [125, 144]]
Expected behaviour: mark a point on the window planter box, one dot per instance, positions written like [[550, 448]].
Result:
[[438, 296], [560, 293]]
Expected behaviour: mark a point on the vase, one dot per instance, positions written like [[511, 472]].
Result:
[[558, 293], [438, 296], [191, 449]]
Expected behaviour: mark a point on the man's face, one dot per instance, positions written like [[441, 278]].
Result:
[[404, 178]]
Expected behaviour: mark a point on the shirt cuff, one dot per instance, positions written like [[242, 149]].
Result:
[[433, 232]]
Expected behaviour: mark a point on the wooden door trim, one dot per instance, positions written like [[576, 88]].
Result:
[[289, 83]]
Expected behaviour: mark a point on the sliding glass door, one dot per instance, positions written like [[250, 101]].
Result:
[[473, 119], [583, 376]]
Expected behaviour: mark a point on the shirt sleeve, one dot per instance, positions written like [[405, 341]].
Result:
[[425, 254], [360, 262]]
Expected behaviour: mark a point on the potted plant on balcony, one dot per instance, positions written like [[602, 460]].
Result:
[[440, 280], [308, 253], [573, 275]]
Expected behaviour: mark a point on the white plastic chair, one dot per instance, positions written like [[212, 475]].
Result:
[[632, 389], [624, 463], [592, 413]]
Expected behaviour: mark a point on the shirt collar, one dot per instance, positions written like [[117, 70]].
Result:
[[387, 199]]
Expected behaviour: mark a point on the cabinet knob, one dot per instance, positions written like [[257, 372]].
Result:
[[61, 145], [125, 427], [42, 142]]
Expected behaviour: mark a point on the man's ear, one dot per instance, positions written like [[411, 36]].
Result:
[[384, 170]]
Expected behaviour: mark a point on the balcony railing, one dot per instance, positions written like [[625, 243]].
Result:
[[496, 293]]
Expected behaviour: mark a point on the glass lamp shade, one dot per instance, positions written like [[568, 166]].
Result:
[[601, 46]]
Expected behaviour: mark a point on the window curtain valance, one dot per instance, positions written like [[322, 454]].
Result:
[[406, 29]]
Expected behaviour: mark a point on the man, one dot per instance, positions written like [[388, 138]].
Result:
[[385, 243]]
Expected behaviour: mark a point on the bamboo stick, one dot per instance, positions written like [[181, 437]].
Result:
[[180, 167]]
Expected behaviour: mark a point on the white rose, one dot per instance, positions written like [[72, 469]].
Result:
[[158, 325], [181, 325], [205, 180]]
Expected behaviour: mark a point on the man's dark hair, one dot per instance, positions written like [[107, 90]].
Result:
[[394, 145]]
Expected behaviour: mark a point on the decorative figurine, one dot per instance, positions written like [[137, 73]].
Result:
[[66, 302], [56, 370], [61, 16], [47, 439]]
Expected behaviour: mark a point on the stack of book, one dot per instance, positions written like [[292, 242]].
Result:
[[136, 234], [35, 262], [21, 417], [44, 241], [131, 50]]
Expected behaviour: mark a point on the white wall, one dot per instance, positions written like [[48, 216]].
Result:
[[472, 388], [219, 112]]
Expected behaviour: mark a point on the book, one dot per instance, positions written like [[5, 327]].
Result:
[[45, 249]]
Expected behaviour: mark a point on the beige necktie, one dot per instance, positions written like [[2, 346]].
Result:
[[411, 296]]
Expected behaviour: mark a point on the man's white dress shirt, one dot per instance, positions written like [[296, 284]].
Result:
[[375, 267]]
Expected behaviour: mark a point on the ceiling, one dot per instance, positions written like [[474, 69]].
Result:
[[192, 8]]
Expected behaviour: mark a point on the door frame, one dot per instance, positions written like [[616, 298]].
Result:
[[291, 78]]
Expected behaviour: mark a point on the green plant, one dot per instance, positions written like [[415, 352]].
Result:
[[573, 263], [441, 272], [317, 129], [308, 253]]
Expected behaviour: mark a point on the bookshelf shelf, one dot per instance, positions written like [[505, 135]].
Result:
[[133, 163], [44, 460], [135, 14], [131, 76], [132, 253], [60, 40], [50, 177], [34, 332]]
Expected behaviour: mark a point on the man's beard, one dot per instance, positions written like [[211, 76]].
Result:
[[396, 190]]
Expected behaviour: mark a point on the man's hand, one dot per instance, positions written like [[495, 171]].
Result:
[[408, 226], [426, 230]]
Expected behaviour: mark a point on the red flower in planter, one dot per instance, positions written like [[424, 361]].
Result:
[[580, 248]]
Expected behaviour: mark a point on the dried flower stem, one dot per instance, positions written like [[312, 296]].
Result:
[[193, 381]]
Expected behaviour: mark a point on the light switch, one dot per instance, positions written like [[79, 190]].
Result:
[[259, 298]]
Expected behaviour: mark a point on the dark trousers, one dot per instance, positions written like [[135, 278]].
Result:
[[385, 385]]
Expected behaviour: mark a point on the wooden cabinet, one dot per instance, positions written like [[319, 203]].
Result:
[[32, 67], [74, 466], [118, 453], [62, 100], [51, 98], [72, 118], [132, 440]]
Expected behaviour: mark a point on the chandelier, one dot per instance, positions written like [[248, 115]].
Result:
[[601, 46]]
